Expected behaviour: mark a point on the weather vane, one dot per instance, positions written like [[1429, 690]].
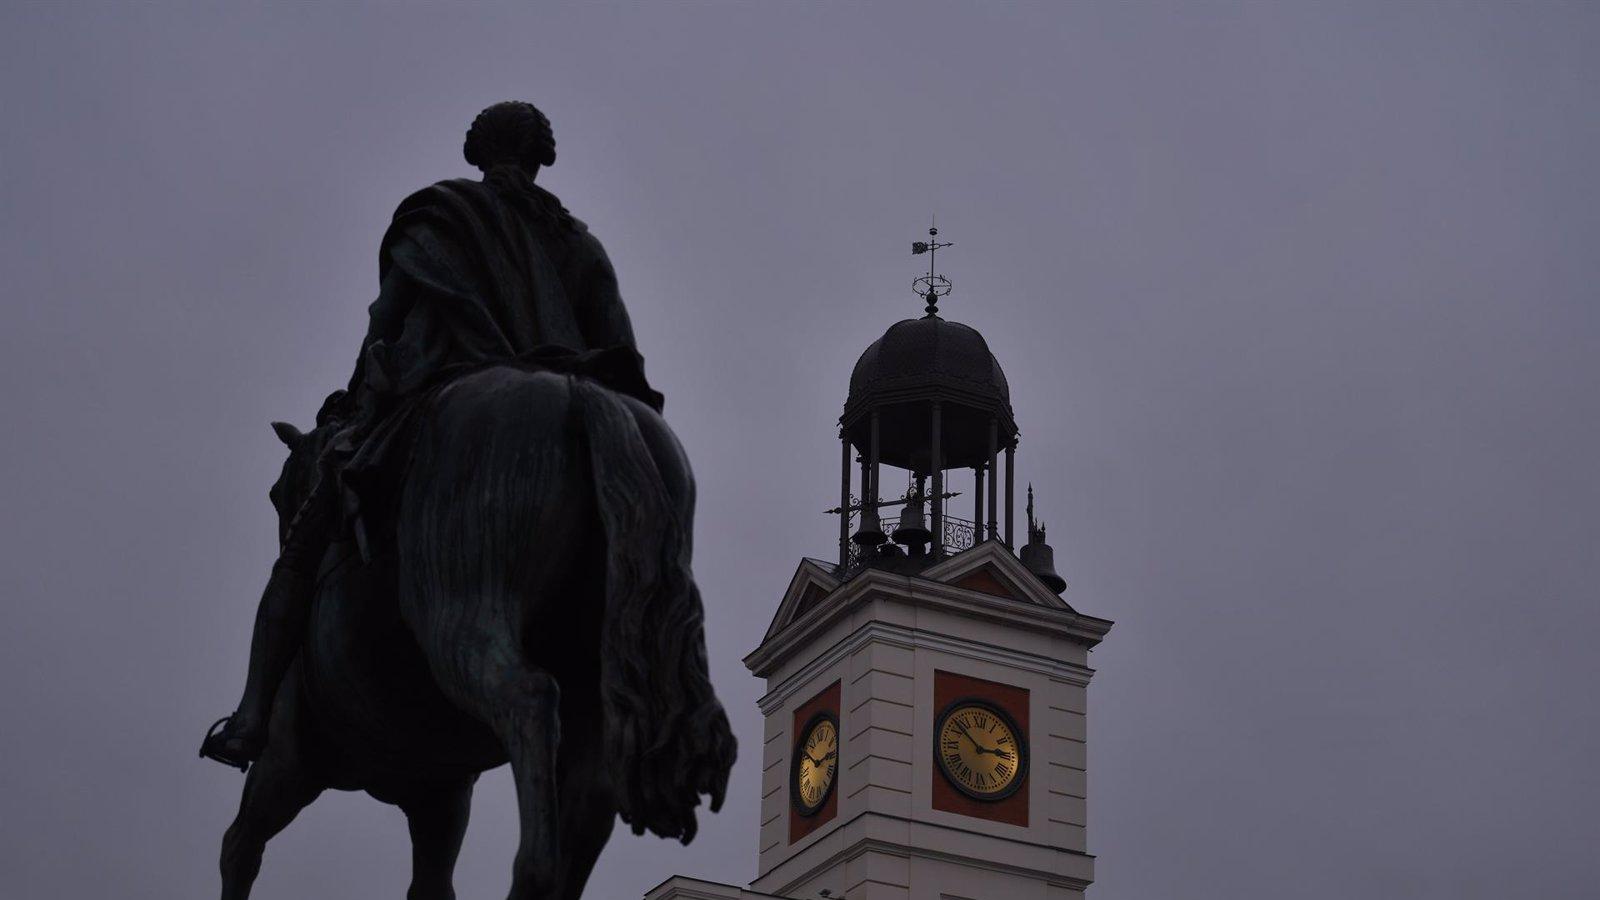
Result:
[[931, 286]]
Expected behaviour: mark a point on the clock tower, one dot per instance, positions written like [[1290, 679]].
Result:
[[926, 689]]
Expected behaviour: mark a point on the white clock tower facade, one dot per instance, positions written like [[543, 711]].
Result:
[[926, 693]]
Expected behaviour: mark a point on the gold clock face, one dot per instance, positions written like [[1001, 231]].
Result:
[[816, 761], [980, 750]]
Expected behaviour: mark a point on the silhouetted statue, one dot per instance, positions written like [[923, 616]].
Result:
[[485, 555]]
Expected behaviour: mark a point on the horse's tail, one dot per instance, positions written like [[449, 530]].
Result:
[[667, 737]]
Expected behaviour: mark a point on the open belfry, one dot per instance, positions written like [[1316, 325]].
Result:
[[926, 690]]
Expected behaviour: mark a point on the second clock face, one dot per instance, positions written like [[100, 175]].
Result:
[[816, 761], [980, 750]]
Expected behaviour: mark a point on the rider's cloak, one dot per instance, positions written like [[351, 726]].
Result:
[[471, 274]]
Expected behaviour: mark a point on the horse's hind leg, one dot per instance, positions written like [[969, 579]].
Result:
[[274, 793], [530, 731], [438, 821], [488, 527], [588, 812], [485, 674]]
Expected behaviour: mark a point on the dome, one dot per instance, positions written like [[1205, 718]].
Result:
[[922, 360], [930, 351]]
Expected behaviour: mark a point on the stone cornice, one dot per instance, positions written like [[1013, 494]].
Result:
[[863, 845], [917, 591], [680, 887], [914, 638]]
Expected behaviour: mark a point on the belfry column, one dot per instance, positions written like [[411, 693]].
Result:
[[936, 464], [866, 485], [844, 500], [1011, 487], [994, 459], [870, 494], [977, 500]]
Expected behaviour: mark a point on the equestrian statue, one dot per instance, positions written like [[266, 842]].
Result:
[[484, 555]]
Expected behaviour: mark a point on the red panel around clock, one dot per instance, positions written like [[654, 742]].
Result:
[[949, 687], [799, 825]]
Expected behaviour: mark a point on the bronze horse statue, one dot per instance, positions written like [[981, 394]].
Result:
[[536, 607]]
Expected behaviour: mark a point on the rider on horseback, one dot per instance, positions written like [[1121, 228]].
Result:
[[472, 273]]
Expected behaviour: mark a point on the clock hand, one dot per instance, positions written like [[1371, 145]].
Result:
[[969, 735], [975, 745]]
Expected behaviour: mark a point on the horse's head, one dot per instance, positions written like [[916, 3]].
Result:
[[299, 473]]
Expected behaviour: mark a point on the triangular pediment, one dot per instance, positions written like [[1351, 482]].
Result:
[[811, 583], [990, 568], [988, 580]]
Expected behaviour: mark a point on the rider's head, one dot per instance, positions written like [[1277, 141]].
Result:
[[511, 134]]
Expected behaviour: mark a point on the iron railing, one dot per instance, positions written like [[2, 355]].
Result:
[[958, 535]]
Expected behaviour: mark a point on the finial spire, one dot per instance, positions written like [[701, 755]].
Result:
[[931, 286], [1037, 556]]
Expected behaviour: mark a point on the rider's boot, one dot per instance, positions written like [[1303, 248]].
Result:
[[279, 629]]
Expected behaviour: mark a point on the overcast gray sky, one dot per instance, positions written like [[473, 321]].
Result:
[[1298, 305]]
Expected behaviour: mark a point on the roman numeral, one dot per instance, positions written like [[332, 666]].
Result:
[[1004, 770]]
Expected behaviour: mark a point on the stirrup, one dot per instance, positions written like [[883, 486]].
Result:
[[215, 746]]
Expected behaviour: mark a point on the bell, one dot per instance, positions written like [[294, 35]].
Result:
[[913, 529], [1040, 559], [870, 534], [1037, 556]]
